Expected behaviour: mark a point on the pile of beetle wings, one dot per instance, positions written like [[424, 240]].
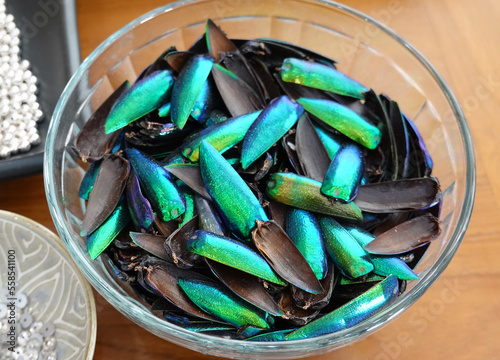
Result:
[[248, 189]]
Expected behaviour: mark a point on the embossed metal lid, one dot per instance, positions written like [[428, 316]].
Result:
[[41, 285]]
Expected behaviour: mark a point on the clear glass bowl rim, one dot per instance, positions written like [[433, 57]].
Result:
[[160, 327]]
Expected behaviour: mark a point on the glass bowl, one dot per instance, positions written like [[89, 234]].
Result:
[[365, 49]]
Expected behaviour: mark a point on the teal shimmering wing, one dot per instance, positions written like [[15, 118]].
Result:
[[344, 120], [303, 228], [362, 307], [188, 87], [320, 76], [344, 250], [221, 136], [344, 174], [88, 180], [304, 193], [143, 97], [221, 303], [238, 205], [332, 142], [104, 235], [232, 253], [278, 335], [164, 110], [383, 265], [276, 119], [157, 185]]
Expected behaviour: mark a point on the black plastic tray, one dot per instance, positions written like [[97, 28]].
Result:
[[49, 41]]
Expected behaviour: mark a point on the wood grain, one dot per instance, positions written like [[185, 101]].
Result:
[[458, 317]]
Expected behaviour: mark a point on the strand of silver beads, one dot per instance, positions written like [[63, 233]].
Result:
[[19, 108]]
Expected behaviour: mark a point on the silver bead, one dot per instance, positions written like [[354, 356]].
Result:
[[16, 117], [51, 355], [27, 75], [38, 114], [48, 329], [14, 144], [38, 337], [4, 110], [18, 76], [21, 130], [30, 355], [26, 320], [14, 66], [36, 327], [18, 354], [10, 25], [23, 338], [4, 125], [32, 88], [34, 344], [34, 140], [15, 41], [32, 99], [16, 106], [49, 344], [25, 108], [4, 152], [24, 64], [32, 80], [15, 32], [16, 98], [7, 136], [31, 127], [22, 300], [7, 82], [19, 108], [24, 97], [4, 67], [25, 146]]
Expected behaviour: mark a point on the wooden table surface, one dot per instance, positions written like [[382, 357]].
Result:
[[459, 317]]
